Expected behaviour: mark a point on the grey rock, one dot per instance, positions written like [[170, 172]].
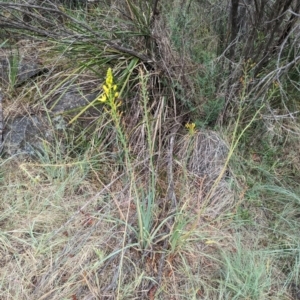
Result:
[[25, 135], [28, 70], [59, 123], [17, 73], [71, 100]]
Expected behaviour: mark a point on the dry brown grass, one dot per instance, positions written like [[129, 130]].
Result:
[[205, 155], [59, 240]]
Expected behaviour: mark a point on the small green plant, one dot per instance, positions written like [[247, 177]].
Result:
[[212, 110], [246, 274], [13, 70]]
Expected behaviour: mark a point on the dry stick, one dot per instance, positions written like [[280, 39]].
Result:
[[171, 192], [172, 196], [234, 26], [155, 12]]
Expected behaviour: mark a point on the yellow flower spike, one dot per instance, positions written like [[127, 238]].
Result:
[[110, 94], [109, 78], [191, 128]]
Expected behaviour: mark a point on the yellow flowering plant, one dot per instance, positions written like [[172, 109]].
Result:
[[191, 128], [110, 97], [110, 93]]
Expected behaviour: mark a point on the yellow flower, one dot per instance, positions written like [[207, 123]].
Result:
[[106, 90], [110, 93], [191, 128], [109, 78], [102, 98]]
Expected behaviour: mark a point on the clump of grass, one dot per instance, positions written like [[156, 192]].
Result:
[[204, 154]]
